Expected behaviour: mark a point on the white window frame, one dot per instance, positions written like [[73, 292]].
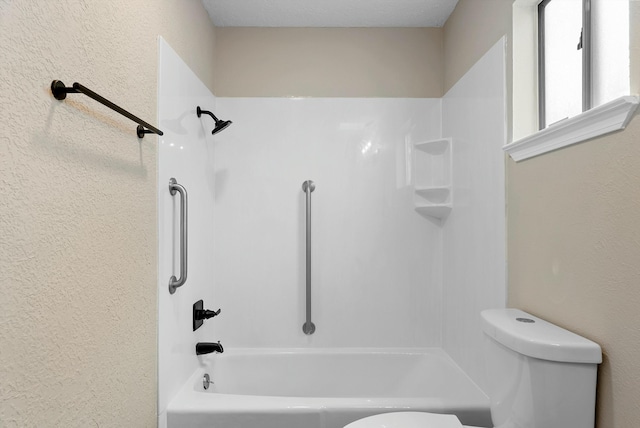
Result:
[[585, 41], [594, 122]]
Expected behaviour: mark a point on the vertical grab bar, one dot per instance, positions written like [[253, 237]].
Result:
[[308, 187], [174, 283]]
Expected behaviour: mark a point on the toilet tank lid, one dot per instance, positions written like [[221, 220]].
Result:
[[535, 337]]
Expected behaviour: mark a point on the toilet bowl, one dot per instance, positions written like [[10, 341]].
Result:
[[409, 420], [539, 375]]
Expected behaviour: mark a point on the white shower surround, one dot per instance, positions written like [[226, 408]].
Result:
[[184, 152], [372, 254], [378, 265], [474, 235]]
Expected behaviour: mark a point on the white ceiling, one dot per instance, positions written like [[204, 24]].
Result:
[[329, 13]]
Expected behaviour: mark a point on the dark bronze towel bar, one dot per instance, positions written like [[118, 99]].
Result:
[[60, 92]]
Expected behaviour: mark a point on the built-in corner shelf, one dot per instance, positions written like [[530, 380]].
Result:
[[433, 194], [434, 147], [433, 210], [432, 177]]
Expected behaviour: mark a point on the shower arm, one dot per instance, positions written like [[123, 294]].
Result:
[[200, 112], [220, 124]]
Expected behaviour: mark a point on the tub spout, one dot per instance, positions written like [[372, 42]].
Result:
[[208, 347]]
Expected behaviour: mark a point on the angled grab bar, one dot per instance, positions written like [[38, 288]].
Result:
[[308, 187], [174, 282]]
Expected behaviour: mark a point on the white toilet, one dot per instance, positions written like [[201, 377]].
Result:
[[539, 376]]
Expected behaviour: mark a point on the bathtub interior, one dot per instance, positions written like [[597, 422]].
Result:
[[331, 373], [325, 388]]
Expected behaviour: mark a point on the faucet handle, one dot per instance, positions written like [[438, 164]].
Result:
[[200, 314], [205, 314]]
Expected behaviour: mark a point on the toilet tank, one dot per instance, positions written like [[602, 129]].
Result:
[[539, 375]]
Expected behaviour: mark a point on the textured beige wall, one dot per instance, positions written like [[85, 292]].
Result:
[[634, 45], [473, 27], [573, 229], [78, 210], [574, 252], [329, 62], [574, 249]]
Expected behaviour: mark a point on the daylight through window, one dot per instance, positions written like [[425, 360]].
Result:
[[583, 56]]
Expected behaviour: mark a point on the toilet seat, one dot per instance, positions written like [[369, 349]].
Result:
[[408, 420]]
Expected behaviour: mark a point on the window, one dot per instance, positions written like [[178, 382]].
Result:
[[563, 48], [551, 81], [583, 56]]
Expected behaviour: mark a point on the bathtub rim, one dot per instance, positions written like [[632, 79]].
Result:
[[189, 399]]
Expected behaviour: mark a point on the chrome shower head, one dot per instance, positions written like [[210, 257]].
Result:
[[220, 124]]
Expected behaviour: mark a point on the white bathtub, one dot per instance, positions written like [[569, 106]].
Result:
[[324, 388]]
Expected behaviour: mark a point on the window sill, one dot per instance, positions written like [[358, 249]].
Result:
[[609, 117]]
